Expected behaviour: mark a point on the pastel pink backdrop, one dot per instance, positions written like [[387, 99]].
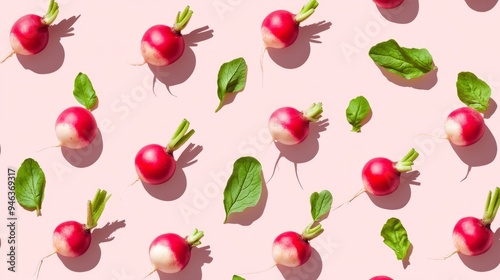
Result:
[[329, 63]]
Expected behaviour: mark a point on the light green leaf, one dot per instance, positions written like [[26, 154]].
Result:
[[321, 203], [231, 79], [244, 186], [236, 277], [409, 63], [356, 112], [472, 91], [30, 186], [84, 91], [396, 237]]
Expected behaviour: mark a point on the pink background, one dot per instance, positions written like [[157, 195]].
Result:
[[461, 36]]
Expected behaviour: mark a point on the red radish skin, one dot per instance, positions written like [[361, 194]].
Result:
[[290, 126], [381, 277], [388, 4], [155, 164], [76, 128], [290, 249], [29, 35], [163, 45], [464, 126], [71, 239], [170, 253]]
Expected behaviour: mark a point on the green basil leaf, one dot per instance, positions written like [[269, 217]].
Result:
[[236, 277], [357, 111], [321, 203], [244, 186], [30, 186], [84, 91], [231, 79], [409, 63], [396, 237], [472, 91]]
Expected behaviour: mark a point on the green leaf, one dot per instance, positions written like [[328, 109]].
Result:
[[84, 91], [96, 207], [396, 237], [357, 111], [236, 277], [321, 203], [231, 79], [244, 186], [409, 63], [472, 91], [30, 186]]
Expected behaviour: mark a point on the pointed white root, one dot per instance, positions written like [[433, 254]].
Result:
[[126, 188], [264, 48], [37, 272], [262, 271], [349, 201], [138, 64], [149, 274], [43, 149], [8, 56], [446, 257]]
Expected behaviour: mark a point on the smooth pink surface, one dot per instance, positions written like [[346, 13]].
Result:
[[161, 45], [405, 114], [71, 239], [471, 125], [388, 4], [175, 244], [471, 236], [290, 249], [279, 26], [29, 35], [82, 121], [154, 165], [379, 176], [288, 125]]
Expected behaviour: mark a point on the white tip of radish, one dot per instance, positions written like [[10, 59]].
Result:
[[152, 56], [68, 136], [164, 259], [285, 255], [461, 245], [282, 135], [270, 40], [17, 46], [453, 129]]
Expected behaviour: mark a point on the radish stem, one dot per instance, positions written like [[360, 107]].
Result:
[[182, 19], [51, 14], [95, 208], [194, 239], [307, 11], [311, 232], [180, 136], [405, 164], [313, 113], [491, 208]]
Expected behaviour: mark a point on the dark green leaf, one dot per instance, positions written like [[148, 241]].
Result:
[[244, 186], [231, 79], [396, 237], [357, 111], [407, 62], [84, 91], [321, 203], [30, 186], [472, 91]]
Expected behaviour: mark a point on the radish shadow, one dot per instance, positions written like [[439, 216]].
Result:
[[87, 156], [481, 153], [492, 107], [51, 58], [425, 82], [310, 270], [302, 152], [297, 54], [193, 270], [176, 186], [487, 261], [401, 196], [251, 214], [91, 258], [404, 13], [481, 6], [179, 71]]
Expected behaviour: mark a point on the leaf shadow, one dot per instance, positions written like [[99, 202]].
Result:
[[401, 196], [251, 214], [179, 71], [310, 270], [404, 13], [193, 270], [91, 258], [86, 156], [492, 107], [487, 261], [302, 152], [52, 57], [406, 260], [425, 82], [481, 6], [481, 153], [176, 186], [297, 53]]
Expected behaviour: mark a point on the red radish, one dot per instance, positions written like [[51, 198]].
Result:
[[71, 238], [76, 127], [381, 176], [388, 4], [292, 249], [464, 126], [473, 236], [155, 164], [170, 253], [162, 45], [290, 126], [30, 34], [381, 277]]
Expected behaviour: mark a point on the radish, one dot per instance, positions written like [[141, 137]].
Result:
[[293, 249], [381, 277], [290, 126], [388, 4], [30, 34], [473, 236], [71, 238], [381, 176], [170, 253], [162, 45], [464, 126], [154, 163]]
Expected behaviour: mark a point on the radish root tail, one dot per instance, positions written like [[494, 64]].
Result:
[[37, 272], [349, 201], [8, 56], [151, 272]]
